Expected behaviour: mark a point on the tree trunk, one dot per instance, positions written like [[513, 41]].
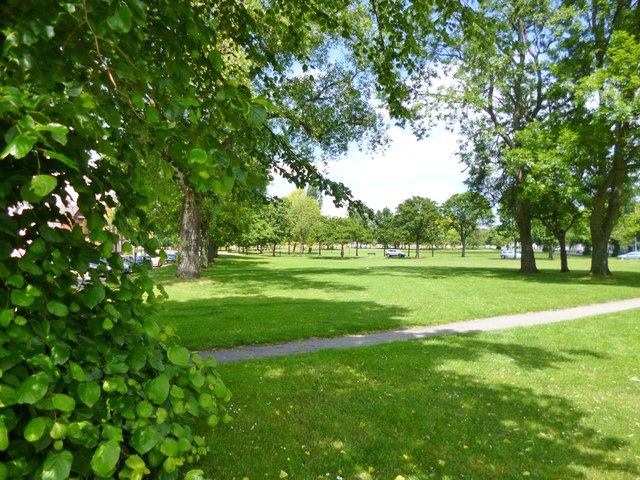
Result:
[[189, 258], [418, 247], [273, 249], [522, 216], [564, 260], [342, 250], [464, 244], [212, 252], [606, 208]]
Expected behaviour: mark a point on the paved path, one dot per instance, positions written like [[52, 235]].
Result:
[[483, 325]]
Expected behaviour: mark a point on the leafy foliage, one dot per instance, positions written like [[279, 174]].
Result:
[[90, 385]]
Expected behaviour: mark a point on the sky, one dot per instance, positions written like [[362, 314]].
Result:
[[426, 168]]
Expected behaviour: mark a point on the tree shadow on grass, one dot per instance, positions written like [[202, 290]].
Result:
[[254, 272], [246, 320], [419, 409]]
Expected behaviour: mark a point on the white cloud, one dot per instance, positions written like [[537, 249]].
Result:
[[426, 168]]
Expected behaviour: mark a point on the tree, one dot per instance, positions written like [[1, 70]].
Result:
[[276, 217], [384, 228], [91, 386], [91, 94], [418, 217], [608, 105], [494, 57], [303, 214], [464, 212]]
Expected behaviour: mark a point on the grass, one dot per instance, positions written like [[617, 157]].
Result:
[[547, 402], [259, 299]]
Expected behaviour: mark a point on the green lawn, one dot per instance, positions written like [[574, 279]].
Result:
[[549, 402], [260, 299]]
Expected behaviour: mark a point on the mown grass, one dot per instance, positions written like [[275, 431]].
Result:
[[258, 299], [547, 402]]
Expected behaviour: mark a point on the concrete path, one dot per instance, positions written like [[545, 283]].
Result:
[[483, 325]]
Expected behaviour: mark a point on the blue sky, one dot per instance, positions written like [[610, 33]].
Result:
[[426, 168]]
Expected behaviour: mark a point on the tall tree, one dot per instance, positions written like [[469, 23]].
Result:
[[303, 217], [495, 58], [607, 106], [464, 212], [418, 217], [384, 230]]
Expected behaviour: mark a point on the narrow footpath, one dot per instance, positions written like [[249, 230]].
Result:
[[482, 325]]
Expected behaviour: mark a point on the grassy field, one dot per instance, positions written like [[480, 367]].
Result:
[[549, 402], [258, 299]]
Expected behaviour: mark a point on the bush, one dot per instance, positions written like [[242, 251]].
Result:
[[89, 385]]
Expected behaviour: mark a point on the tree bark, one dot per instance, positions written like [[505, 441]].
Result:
[[564, 260], [463, 240], [212, 252], [606, 208], [522, 215], [189, 258]]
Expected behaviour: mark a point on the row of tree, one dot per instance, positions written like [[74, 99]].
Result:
[[297, 220], [545, 96]]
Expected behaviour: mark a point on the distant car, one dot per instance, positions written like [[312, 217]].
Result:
[[392, 252], [127, 263], [140, 258], [630, 256], [171, 256], [510, 254]]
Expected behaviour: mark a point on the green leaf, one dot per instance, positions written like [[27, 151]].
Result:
[[5, 318], [120, 21], [63, 402], [158, 389], [61, 158], [257, 114], [7, 395], [89, 393], [197, 156], [15, 281], [34, 430], [144, 409], [4, 437], [145, 438], [33, 389], [42, 185], [19, 146], [57, 466], [170, 448], [94, 295], [83, 433], [58, 131], [77, 373], [20, 298], [57, 308], [194, 475], [105, 459], [179, 356], [60, 352]]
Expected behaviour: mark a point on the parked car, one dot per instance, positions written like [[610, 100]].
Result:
[[630, 256], [140, 258], [127, 263], [392, 252], [510, 254], [171, 256]]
